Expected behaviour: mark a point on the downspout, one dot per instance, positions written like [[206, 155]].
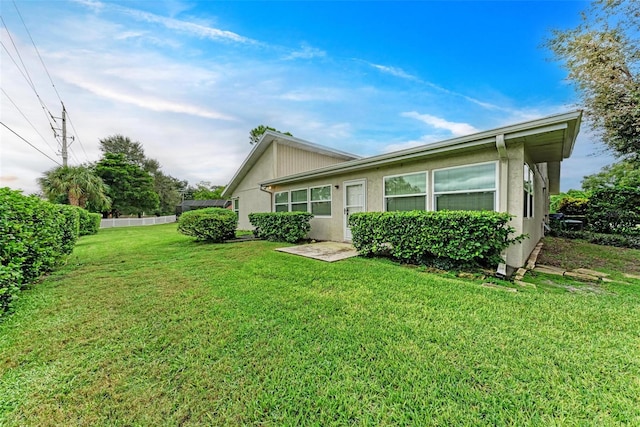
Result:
[[504, 194], [266, 189]]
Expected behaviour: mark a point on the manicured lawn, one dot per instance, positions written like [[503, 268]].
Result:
[[143, 326]]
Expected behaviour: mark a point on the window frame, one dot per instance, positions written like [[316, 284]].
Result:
[[425, 194], [495, 188], [276, 204], [306, 202], [235, 205], [528, 193], [311, 201]]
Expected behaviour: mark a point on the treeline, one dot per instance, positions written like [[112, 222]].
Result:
[[123, 182]]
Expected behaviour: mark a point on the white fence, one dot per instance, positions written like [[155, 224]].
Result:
[[132, 222]]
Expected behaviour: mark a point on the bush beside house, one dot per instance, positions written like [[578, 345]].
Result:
[[281, 226], [446, 239], [209, 224]]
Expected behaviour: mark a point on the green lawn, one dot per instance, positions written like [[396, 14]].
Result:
[[144, 326]]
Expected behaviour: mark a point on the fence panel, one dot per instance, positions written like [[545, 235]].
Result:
[[132, 222]]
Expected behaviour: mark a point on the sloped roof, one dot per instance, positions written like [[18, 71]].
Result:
[[265, 141], [549, 139]]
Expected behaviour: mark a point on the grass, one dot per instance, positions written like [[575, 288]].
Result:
[[144, 326]]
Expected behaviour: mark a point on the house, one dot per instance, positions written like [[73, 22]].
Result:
[[189, 205], [510, 169]]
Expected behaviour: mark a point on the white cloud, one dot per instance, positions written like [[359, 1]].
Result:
[[455, 128], [394, 71], [306, 52]]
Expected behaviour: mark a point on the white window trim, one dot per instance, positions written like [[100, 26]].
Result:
[[234, 204], [496, 188], [531, 211], [425, 194], [282, 204], [318, 201], [291, 203]]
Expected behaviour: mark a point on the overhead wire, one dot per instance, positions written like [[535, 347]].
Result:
[[36, 148], [28, 121]]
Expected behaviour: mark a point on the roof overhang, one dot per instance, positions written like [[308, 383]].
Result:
[[549, 139]]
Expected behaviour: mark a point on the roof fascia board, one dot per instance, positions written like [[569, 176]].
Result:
[[537, 131]]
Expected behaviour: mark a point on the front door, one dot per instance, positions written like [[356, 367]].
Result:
[[355, 200]]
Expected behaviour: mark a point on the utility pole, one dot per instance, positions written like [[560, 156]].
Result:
[[65, 155]]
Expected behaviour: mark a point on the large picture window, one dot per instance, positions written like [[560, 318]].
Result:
[[469, 188], [406, 192], [321, 200]]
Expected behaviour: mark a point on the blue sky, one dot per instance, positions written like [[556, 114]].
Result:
[[190, 79]]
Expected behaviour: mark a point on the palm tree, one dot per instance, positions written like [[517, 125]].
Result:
[[78, 183]]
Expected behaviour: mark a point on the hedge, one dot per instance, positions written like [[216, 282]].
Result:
[[281, 226], [209, 224], [34, 236], [615, 211], [447, 239], [70, 227], [89, 222]]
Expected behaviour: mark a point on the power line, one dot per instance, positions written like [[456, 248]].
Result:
[[77, 136], [37, 149], [27, 119], [37, 51]]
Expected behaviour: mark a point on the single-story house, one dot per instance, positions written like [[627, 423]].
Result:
[[189, 205], [510, 169]]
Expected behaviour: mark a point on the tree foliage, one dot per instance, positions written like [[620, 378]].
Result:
[[204, 190], [75, 184], [130, 187], [166, 186], [620, 174], [602, 55], [256, 133]]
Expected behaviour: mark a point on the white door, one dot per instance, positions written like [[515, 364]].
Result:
[[354, 201]]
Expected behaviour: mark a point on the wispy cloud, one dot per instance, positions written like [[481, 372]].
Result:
[[394, 71], [455, 128], [191, 28], [150, 102], [306, 52]]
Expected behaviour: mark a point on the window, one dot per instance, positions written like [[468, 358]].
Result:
[[236, 206], [528, 192], [282, 201], [406, 192], [299, 200], [321, 200], [469, 188]]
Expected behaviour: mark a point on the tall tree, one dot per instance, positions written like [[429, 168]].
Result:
[[204, 190], [256, 133], [75, 184], [118, 144], [130, 187], [602, 55]]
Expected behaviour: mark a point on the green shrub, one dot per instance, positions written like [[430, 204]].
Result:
[[281, 226], [70, 227], [615, 211], [618, 240], [34, 236], [461, 238], [89, 222], [573, 206], [210, 224]]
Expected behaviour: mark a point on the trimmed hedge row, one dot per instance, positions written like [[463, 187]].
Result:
[[89, 222], [35, 236], [446, 239], [281, 226], [209, 224]]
